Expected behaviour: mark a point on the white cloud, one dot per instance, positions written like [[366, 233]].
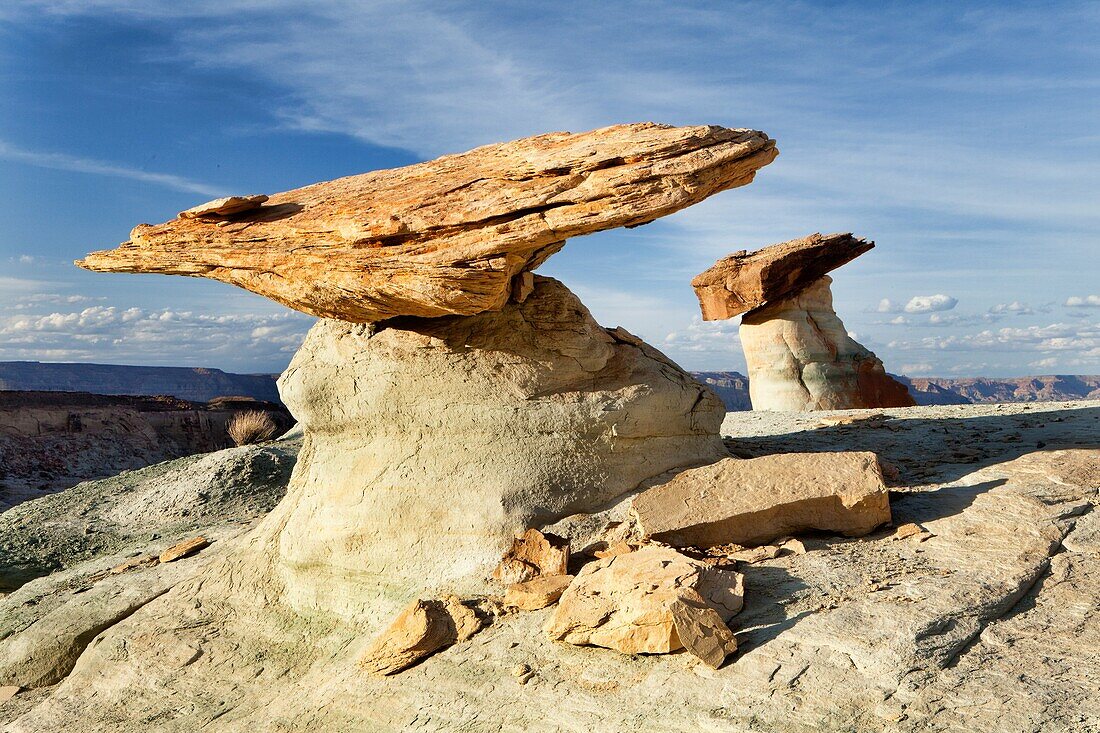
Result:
[[61, 161], [108, 332], [888, 306], [1015, 307], [1087, 301], [930, 303]]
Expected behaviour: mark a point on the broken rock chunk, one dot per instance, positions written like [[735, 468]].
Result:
[[533, 554], [753, 501], [423, 628], [223, 207], [651, 601], [537, 593], [183, 549]]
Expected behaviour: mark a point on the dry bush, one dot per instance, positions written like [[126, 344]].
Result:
[[252, 426]]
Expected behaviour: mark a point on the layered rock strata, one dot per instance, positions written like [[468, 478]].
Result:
[[743, 280], [446, 236], [431, 442], [801, 358]]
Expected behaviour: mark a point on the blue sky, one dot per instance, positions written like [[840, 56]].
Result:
[[962, 137]]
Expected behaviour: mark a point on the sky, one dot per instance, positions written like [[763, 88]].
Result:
[[962, 138]]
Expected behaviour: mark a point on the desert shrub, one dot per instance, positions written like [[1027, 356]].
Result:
[[252, 426]]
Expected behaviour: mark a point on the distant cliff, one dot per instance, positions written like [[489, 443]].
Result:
[[733, 388], [52, 440], [188, 383]]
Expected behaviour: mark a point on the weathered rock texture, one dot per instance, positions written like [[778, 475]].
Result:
[[991, 624], [743, 281], [431, 442], [652, 601], [800, 357], [753, 501], [419, 631], [446, 236]]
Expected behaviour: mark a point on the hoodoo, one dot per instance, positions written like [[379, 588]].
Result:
[[799, 355]]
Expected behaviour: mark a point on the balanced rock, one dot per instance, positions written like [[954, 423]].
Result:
[[432, 441], [753, 501], [420, 630], [446, 236], [652, 601], [743, 281], [800, 357]]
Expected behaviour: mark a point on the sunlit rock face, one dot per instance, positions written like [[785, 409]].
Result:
[[800, 357], [429, 442]]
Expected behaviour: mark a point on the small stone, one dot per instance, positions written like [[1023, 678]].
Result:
[[520, 669], [184, 549], [533, 554], [756, 554], [906, 531], [134, 562], [423, 628], [619, 548], [793, 546], [540, 592], [7, 692], [224, 207]]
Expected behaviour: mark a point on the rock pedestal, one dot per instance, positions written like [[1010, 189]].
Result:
[[800, 357], [431, 442]]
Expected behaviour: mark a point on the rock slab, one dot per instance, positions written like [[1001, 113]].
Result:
[[756, 500], [420, 630], [744, 281], [446, 236]]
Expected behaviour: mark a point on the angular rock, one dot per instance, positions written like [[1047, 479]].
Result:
[[7, 692], [433, 441], [420, 630], [641, 603], [223, 207], [446, 236], [184, 549], [800, 358], [756, 500], [537, 593], [744, 281], [533, 554]]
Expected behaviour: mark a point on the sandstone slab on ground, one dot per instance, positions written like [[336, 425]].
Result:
[[449, 235], [800, 357], [540, 592], [752, 501], [642, 601], [746, 280]]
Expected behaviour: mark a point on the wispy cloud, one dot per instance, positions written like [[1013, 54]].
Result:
[[64, 162]]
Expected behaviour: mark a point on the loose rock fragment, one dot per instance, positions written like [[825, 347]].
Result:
[[537, 593], [134, 563], [7, 692], [641, 602], [183, 549], [423, 628], [906, 531], [533, 554], [756, 500], [224, 207]]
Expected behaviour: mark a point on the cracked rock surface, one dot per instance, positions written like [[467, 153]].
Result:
[[986, 621], [449, 235]]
